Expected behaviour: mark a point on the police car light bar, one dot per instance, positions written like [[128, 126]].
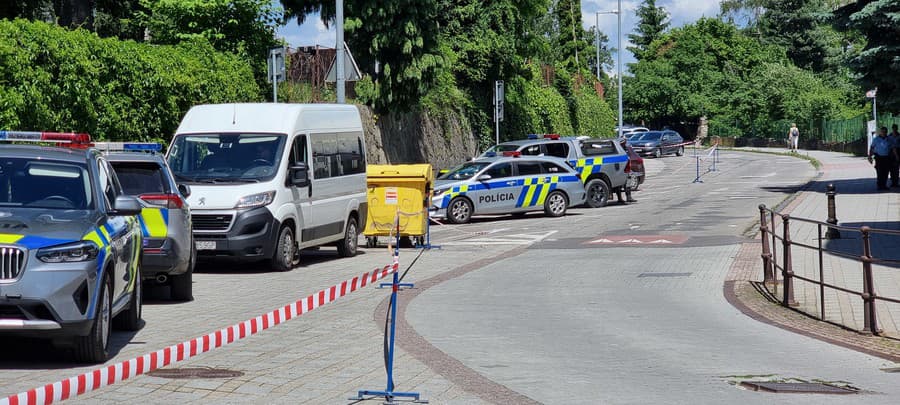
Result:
[[544, 136], [58, 137], [150, 147]]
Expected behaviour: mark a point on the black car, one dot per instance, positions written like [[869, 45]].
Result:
[[658, 143]]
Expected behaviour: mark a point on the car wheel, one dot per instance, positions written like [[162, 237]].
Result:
[[371, 241], [183, 284], [93, 348], [680, 151], [130, 319], [597, 193], [284, 257], [658, 152], [459, 211], [347, 247], [556, 204]]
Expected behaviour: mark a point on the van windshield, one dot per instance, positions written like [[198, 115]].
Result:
[[225, 158]]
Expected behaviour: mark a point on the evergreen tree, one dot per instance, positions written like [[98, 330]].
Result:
[[652, 22], [878, 65], [571, 40]]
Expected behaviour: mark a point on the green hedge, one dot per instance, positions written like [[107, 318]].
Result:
[[593, 116], [55, 79]]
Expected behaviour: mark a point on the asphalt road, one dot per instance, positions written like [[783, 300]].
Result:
[[601, 314], [566, 312]]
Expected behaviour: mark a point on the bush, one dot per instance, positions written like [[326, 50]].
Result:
[[54, 79], [593, 116]]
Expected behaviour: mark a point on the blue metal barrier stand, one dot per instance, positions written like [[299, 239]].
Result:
[[428, 244], [389, 394], [697, 179]]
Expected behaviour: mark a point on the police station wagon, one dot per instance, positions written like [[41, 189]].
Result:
[[70, 245], [508, 184], [601, 163]]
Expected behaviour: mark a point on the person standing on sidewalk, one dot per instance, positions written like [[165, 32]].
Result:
[[895, 168], [794, 137], [882, 150]]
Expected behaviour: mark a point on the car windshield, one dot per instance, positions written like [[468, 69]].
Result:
[[225, 158], [465, 171], [47, 184], [648, 136], [140, 177], [503, 147]]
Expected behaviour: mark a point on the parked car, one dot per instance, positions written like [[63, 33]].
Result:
[[71, 245], [658, 143], [629, 131], [635, 167], [165, 219], [602, 171], [507, 184]]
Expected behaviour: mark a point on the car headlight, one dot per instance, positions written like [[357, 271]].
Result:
[[256, 200], [438, 193], [71, 252]]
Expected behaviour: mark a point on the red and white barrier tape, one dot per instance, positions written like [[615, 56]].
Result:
[[108, 375]]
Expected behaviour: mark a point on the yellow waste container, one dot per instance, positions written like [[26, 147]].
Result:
[[400, 191]]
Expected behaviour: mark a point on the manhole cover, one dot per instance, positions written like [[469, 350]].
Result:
[[642, 275], [196, 372], [796, 387]]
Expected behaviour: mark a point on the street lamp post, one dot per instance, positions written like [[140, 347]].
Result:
[[618, 13]]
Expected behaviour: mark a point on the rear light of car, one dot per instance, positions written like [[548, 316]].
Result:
[[628, 166], [172, 201]]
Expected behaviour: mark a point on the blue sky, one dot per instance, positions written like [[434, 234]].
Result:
[[313, 31]]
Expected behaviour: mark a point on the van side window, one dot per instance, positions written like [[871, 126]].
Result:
[[338, 154], [532, 150], [553, 168], [558, 149], [298, 150]]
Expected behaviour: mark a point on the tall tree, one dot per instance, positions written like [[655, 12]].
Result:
[[878, 65], [401, 35], [652, 22], [572, 41]]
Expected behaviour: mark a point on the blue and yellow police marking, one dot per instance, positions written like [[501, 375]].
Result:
[[534, 190], [30, 242], [588, 166], [154, 222]]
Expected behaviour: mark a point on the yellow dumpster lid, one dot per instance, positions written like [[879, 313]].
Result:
[[422, 171]]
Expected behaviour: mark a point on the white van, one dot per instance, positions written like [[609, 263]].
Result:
[[269, 179]]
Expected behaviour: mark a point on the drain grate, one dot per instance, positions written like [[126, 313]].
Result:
[[796, 387], [195, 372], [642, 275]]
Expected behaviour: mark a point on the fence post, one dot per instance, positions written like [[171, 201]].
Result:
[[768, 272], [832, 233], [870, 323], [787, 272]]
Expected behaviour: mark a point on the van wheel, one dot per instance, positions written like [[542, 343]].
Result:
[[93, 348], [556, 204], [459, 211], [284, 257], [680, 151], [130, 319], [597, 193], [348, 246], [182, 284]]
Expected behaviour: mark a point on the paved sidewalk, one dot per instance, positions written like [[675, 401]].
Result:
[[858, 203]]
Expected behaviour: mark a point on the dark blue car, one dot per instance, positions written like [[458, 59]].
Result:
[[658, 143]]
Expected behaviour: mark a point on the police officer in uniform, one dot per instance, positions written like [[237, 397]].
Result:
[[882, 150]]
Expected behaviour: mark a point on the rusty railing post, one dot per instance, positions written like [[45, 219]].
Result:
[[870, 323], [787, 272], [768, 271], [832, 233]]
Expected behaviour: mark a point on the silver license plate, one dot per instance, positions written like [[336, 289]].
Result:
[[205, 244]]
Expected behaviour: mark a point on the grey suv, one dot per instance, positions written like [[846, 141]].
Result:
[[600, 163], [165, 219], [70, 248]]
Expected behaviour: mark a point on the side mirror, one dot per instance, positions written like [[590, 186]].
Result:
[[299, 175], [185, 190], [126, 206], [484, 177]]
